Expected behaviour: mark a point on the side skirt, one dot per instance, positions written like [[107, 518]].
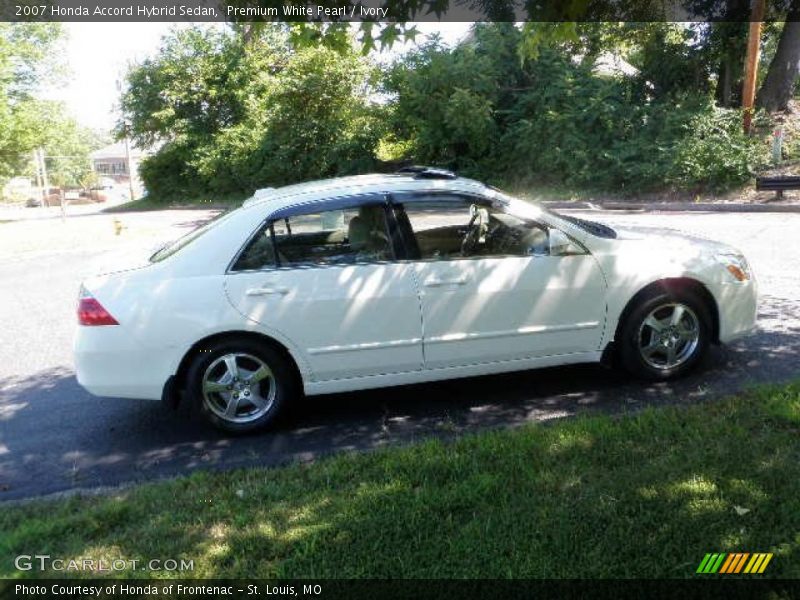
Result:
[[376, 381]]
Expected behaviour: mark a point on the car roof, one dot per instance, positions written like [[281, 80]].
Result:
[[324, 189]]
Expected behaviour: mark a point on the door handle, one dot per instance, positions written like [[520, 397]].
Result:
[[267, 291], [433, 282]]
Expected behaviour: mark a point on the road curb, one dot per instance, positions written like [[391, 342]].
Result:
[[676, 207]]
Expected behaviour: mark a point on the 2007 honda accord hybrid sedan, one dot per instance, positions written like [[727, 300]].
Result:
[[381, 280]]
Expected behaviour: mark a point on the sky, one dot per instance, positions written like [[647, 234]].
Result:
[[97, 55]]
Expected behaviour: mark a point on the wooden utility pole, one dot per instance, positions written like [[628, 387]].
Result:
[[39, 180], [131, 190], [751, 62], [43, 170]]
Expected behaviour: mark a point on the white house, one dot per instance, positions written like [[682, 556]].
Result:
[[112, 161]]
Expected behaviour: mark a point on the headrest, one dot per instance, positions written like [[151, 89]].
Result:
[[357, 233]]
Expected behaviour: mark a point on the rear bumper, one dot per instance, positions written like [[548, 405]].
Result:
[[738, 306], [108, 362]]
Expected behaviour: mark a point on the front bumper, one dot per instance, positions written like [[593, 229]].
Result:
[[738, 306]]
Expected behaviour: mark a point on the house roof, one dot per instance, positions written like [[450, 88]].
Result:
[[612, 64], [116, 150]]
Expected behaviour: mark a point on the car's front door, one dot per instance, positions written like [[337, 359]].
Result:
[[328, 281], [490, 290]]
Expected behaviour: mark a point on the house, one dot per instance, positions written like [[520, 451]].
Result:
[[17, 189], [112, 162]]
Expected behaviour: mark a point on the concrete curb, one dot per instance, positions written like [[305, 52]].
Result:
[[676, 207]]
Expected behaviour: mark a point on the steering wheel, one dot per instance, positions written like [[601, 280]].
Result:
[[475, 231]]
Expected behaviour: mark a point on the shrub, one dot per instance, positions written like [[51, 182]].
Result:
[[715, 153]]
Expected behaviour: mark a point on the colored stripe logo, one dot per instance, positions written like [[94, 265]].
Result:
[[735, 562]]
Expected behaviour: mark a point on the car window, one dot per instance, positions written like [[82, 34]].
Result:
[[346, 236], [174, 246], [462, 228]]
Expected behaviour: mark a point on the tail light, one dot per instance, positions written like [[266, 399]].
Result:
[[91, 312]]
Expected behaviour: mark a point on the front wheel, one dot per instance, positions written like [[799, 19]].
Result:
[[666, 335], [240, 386]]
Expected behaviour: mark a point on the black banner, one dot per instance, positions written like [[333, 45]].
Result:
[[106, 589], [328, 11]]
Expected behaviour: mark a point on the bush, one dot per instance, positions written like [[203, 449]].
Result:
[[278, 117], [250, 116], [715, 153], [555, 121], [169, 175]]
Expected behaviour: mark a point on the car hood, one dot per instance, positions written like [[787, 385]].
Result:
[[671, 240]]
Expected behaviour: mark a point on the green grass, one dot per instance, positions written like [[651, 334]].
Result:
[[644, 495], [154, 203]]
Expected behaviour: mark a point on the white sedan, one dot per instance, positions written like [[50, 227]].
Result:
[[382, 280]]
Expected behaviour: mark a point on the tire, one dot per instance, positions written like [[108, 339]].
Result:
[[665, 335], [249, 402]]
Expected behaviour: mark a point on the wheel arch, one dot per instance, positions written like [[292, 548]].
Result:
[[671, 284], [179, 379]]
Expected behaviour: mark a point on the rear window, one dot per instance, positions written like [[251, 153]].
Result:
[[350, 235], [174, 246]]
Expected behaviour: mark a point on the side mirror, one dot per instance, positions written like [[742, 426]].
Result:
[[561, 244]]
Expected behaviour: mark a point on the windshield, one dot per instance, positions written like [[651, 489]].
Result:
[[525, 206], [174, 246]]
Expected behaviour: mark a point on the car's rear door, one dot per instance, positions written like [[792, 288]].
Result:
[[490, 305], [328, 281]]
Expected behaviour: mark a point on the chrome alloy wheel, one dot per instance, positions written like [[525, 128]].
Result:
[[238, 387], [669, 336]]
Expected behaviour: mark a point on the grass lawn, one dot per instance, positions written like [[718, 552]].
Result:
[[154, 203], [645, 495]]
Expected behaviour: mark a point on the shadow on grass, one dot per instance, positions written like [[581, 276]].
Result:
[[644, 496]]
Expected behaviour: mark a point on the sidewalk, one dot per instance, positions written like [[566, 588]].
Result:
[[740, 207], [25, 213]]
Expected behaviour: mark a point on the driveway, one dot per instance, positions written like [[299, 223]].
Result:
[[54, 436]]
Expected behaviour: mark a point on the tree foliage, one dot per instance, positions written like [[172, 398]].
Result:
[[554, 119], [254, 106], [235, 112], [24, 48], [28, 61]]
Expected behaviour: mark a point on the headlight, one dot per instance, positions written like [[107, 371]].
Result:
[[736, 264]]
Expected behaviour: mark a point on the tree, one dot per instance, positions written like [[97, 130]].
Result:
[[553, 119], [67, 145], [242, 108], [200, 82], [778, 86], [26, 59]]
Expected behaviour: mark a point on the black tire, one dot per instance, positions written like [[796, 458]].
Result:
[[635, 343], [210, 367]]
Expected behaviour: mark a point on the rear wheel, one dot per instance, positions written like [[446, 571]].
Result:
[[665, 335], [240, 385]]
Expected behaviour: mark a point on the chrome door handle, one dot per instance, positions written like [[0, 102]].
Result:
[[433, 282], [267, 291]]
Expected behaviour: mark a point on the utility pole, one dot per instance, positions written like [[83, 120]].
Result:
[[39, 181], [130, 165], [43, 169], [751, 62], [127, 147]]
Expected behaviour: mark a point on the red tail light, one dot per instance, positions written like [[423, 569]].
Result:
[[91, 312]]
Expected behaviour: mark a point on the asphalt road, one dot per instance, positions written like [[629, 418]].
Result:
[[54, 436]]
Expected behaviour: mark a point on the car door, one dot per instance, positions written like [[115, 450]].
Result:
[[327, 280], [506, 302]]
